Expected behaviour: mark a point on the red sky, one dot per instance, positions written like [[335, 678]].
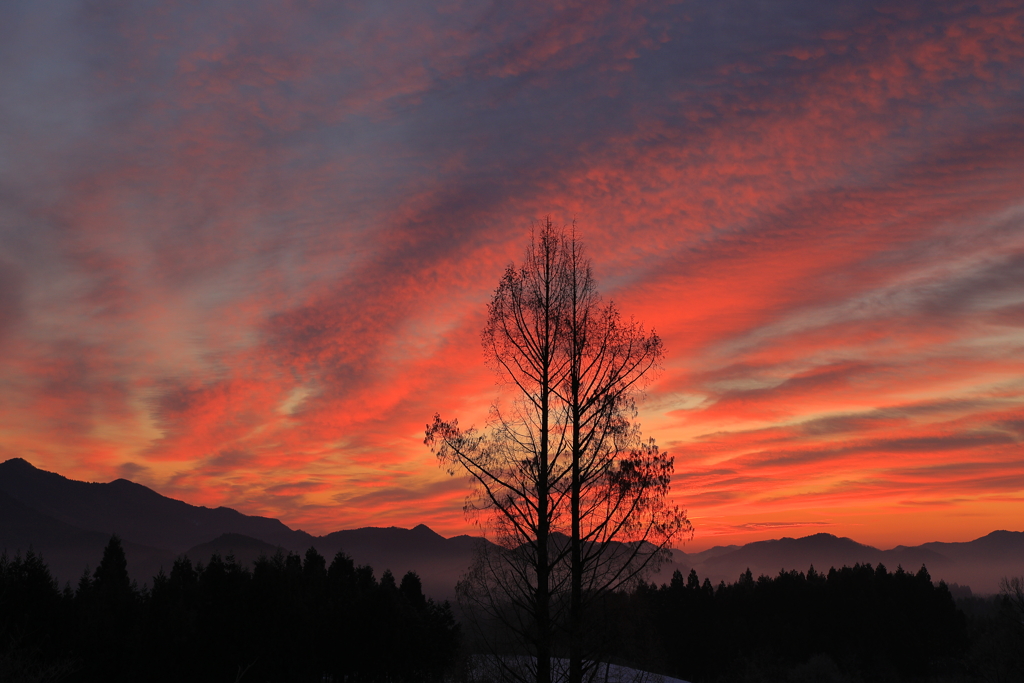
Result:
[[246, 247]]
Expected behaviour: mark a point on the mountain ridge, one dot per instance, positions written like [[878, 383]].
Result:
[[979, 563], [69, 522]]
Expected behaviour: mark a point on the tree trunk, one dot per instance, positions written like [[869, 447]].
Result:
[[576, 543], [543, 606]]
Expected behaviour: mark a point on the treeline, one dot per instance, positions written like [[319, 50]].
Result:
[[293, 618], [289, 618], [859, 623]]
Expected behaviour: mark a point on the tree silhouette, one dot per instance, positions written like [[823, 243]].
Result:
[[111, 577], [106, 607], [33, 621], [619, 520], [1012, 587], [574, 496], [517, 466], [286, 619]]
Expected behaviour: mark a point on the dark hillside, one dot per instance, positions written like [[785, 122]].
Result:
[[69, 521], [135, 512]]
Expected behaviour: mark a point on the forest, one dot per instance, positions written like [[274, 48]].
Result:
[[298, 618], [853, 624], [289, 618]]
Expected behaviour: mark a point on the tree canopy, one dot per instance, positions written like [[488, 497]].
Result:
[[575, 498]]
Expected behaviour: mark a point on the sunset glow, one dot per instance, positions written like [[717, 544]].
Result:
[[246, 247]]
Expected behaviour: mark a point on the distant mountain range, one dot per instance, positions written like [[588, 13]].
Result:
[[978, 564], [69, 522]]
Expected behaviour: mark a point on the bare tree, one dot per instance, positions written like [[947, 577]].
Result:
[[621, 524], [1012, 587], [517, 462], [576, 498]]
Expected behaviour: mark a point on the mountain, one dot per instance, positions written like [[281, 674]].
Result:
[[439, 561], [134, 511], [67, 549], [797, 552], [244, 549], [69, 522], [980, 563]]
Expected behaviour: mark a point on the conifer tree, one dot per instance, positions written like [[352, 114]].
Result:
[[111, 576]]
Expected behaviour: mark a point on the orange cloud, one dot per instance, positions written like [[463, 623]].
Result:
[[252, 248]]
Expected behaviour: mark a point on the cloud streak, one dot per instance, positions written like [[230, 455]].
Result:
[[246, 249]]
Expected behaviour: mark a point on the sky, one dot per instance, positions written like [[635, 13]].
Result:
[[246, 247]]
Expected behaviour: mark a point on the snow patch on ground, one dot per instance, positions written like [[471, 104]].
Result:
[[486, 669]]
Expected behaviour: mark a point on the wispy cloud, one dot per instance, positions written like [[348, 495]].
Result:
[[246, 248]]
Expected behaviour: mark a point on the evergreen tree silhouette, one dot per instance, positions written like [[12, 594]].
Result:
[[111, 578], [411, 589]]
